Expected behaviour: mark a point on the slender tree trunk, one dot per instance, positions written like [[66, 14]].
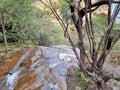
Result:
[[5, 39], [96, 60]]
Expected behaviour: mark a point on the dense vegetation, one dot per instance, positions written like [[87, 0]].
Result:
[[28, 24], [25, 23]]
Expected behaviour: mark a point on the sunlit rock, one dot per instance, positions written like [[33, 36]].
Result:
[[41, 68], [111, 66], [12, 78], [115, 85]]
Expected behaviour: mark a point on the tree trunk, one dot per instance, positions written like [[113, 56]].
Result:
[[5, 40]]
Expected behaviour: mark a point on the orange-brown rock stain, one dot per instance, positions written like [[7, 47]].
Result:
[[26, 81], [27, 61], [7, 63], [28, 78]]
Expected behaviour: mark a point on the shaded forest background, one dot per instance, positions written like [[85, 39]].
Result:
[[32, 23]]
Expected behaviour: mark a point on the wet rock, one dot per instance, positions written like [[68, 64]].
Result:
[[43, 68]]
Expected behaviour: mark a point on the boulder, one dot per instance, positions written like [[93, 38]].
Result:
[[112, 67], [115, 85], [49, 68], [41, 68]]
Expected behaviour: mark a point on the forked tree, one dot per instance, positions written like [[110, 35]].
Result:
[[84, 9]]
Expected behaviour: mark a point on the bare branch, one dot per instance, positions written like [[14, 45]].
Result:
[[77, 14]]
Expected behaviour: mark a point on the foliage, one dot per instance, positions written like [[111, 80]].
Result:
[[43, 24], [15, 13], [1, 36], [100, 24], [118, 79], [100, 20], [44, 40], [65, 10], [56, 35], [14, 36], [37, 25], [82, 79], [22, 16]]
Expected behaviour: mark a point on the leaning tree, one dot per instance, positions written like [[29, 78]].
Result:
[[82, 12]]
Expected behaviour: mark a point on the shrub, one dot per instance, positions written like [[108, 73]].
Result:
[[14, 36], [82, 79], [1, 37], [44, 40]]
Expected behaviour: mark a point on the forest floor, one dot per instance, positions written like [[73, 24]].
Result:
[[14, 46]]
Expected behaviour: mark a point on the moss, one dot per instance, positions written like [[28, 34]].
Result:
[[115, 57], [84, 82], [26, 81], [118, 78]]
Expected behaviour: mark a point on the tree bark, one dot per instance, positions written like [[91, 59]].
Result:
[[5, 39], [96, 60]]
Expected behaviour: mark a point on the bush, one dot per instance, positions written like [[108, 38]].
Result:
[[15, 36], [1, 37], [44, 40], [82, 79]]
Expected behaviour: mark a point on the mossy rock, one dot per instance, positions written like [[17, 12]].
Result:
[[118, 78], [115, 57]]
